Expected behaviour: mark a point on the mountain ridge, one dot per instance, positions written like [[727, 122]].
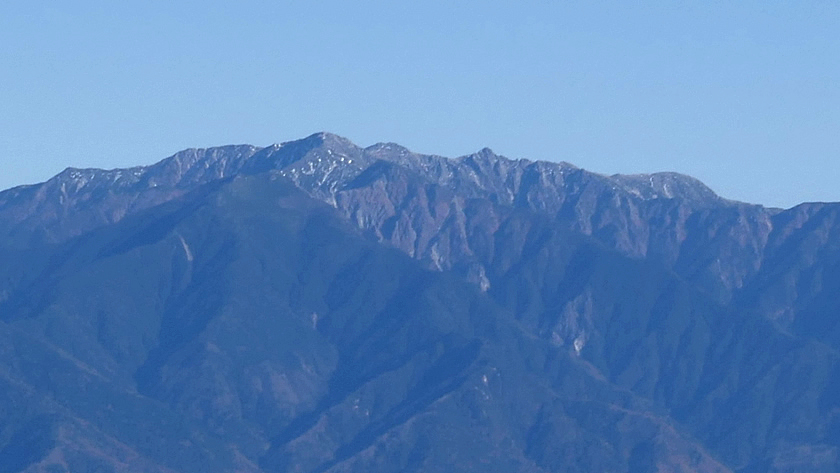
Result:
[[168, 177], [190, 156], [318, 306], [632, 213]]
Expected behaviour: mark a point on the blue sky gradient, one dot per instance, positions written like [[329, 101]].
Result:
[[744, 96]]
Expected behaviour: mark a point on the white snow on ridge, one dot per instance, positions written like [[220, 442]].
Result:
[[187, 251]]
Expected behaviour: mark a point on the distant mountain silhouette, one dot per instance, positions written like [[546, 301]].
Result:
[[315, 306]]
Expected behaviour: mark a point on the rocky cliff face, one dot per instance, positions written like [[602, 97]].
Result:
[[425, 204], [317, 306]]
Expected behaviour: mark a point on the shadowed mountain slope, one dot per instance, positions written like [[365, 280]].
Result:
[[316, 306]]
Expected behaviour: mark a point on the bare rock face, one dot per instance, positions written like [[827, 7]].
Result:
[[426, 205], [79, 200], [315, 306]]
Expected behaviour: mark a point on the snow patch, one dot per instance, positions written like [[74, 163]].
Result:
[[579, 344], [186, 247]]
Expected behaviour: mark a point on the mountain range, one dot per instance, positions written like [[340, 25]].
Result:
[[315, 306]]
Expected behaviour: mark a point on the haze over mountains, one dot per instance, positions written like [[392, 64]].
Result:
[[320, 307]]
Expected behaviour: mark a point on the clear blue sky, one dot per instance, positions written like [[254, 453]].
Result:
[[743, 95]]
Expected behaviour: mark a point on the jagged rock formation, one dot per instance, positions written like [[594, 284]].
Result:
[[394, 193], [317, 306]]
